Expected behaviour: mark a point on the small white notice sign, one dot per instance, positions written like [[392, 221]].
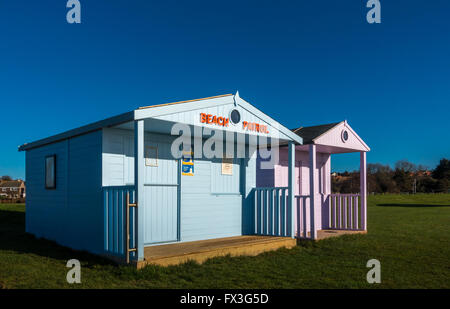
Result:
[[227, 166], [151, 156]]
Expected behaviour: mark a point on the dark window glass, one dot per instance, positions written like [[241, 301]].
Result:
[[50, 172], [345, 135], [235, 116]]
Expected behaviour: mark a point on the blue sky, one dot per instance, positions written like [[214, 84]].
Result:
[[302, 62]]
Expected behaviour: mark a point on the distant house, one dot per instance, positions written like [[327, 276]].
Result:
[[424, 173], [12, 189]]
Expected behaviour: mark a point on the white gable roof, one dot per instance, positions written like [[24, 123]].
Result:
[[185, 112], [335, 138], [189, 112]]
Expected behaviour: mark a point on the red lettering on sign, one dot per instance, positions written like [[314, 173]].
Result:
[[213, 119], [224, 122], [253, 126]]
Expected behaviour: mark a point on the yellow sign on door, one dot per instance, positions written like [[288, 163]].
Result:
[[187, 163]]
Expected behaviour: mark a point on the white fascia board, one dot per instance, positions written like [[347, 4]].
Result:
[[109, 122], [162, 110], [282, 129], [357, 136]]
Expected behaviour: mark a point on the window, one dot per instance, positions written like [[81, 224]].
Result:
[[344, 136], [50, 172], [235, 116]]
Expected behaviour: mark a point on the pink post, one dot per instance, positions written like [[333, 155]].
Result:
[[291, 190], [312, 187], [363, 189]]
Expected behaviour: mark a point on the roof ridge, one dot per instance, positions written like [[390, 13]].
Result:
[[309, 134], [187, 101], [320, 125]]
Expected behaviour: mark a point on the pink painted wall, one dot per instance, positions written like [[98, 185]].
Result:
[[278, 177], [333, 138]]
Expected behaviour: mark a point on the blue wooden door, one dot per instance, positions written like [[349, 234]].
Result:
[[161, 192]]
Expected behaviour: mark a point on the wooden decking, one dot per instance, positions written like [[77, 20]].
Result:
[[200, 251], [322, 234]]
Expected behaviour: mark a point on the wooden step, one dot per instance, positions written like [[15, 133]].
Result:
[[200, 251]]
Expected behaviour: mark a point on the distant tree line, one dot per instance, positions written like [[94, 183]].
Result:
[[405, 177]]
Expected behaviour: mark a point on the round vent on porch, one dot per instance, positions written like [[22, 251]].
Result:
[[344, 135]]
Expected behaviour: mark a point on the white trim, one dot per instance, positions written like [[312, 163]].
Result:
[[347, 126], [109, 122], [141, 114]]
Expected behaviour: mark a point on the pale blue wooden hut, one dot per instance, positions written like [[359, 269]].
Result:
[[78, 181]]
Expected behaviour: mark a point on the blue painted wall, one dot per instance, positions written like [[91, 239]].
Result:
[[46, 210], [114, 223], [72, 214], [206, 214], [160, 182], [266, 177], [248, 183], [211, 204]]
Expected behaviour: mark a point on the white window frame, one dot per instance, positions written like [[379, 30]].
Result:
[[53, 185]]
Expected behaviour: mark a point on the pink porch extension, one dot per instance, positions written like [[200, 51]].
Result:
[[314, 204]]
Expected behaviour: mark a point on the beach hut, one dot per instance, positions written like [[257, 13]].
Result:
[[127, 188], [316, 205]]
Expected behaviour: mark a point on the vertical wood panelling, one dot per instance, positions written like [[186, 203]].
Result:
[[344, 215], [118, 158], [351, 214], [293, 186], [363, 190], [105, 220], [313, 179], [302, 187], [225, 183], [212, 205], [271, 212], [206, 214], [344, 211], [114, 205], [161, 214], [277, 211]]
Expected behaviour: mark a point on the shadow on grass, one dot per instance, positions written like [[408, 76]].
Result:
[[411, 205], [14, 238]]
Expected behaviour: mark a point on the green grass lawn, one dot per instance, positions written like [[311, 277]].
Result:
[[408, 234]]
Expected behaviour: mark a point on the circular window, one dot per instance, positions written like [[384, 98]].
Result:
[[235, 116], [344, 136]]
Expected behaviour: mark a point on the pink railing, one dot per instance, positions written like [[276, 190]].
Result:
[[344, 212], [272, 215], [302, 216]]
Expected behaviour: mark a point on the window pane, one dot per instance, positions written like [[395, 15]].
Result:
[[50, 172]]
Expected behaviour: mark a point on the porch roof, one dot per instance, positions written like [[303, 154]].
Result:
[[310, 133], [161, 112], [336, 137]]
